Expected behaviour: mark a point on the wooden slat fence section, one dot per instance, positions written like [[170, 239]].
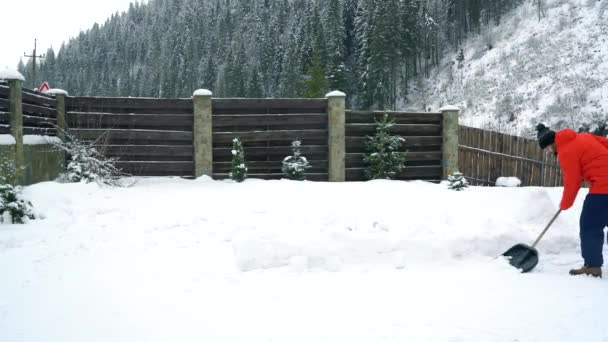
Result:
[[423, 143], [267, 128], [484, 156], [268, 106], [39, 113], [149, 137], [4, 109], [128, 105]]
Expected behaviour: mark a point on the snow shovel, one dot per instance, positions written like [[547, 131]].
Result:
[[524, 257]]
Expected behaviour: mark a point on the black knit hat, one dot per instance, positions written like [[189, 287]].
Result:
[[545, 136]]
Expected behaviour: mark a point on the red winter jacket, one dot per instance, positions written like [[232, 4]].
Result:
[[582, 156]]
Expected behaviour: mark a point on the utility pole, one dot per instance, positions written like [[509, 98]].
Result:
[[34, 56]]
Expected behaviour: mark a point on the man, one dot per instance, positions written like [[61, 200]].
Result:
[[583, 156]]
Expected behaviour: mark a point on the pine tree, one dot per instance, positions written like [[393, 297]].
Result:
[[295, 166], [457, 182], [239, 165], [13, 208], [383, 157], [316, 85]]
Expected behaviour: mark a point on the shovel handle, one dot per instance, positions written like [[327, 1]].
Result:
[[547, 227]]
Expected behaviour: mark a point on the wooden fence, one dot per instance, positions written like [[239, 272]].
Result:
[[151, 137], [191, 137], [267, 127], [39, 112], [423, 142], [484, 156]]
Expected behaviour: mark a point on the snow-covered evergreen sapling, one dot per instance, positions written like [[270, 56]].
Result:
[[295, 166], [383, 158], [457, 181], [13, 208], [86, 163], [239, 165]]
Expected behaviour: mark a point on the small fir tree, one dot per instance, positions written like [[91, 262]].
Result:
[[13, 208], [457, 182], [383, 156], [239, 166], [295, 166]]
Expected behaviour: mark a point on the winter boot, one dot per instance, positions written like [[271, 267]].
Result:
[[592, 271]]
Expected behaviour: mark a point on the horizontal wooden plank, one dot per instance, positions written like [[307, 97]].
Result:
[[152, 151], [140, 105], [4, 92], [315, 177], [33, 92], [261, 128], [397, 129], [5, 129], [39, 131], [273, 151], [408, 162], [39, 99], [400, 117], [4, 105], [38, 121], [133, 135], [181, 122], [34, 110], [180, 174], [359, 142], [268, 119], [412, 172], [4, 118], [319, 166], [270, 135], [143, 167], [417, 156], [245, 104]]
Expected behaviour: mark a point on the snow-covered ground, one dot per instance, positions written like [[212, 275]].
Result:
[[554, 70], [180, 260]]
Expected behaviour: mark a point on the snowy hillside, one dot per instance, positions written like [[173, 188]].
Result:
[[555, 70], [182, 260]]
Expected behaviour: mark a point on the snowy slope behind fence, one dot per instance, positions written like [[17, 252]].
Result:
[[484, 156]]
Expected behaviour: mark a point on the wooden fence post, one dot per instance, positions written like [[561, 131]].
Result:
[[450, 140], [61, 124], [336, 112], [16, 122], [202, 133]]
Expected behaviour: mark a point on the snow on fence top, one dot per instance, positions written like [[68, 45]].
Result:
[[202, 92], [55, 91], [336, 93], [11, 74], [39, 140], [7, 139], [449, 108]]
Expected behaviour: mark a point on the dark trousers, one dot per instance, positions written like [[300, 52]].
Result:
[[594, 218]]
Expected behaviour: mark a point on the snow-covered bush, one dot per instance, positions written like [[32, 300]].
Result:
[[457, 182], [86, 163], [295, 166], [13, 208]]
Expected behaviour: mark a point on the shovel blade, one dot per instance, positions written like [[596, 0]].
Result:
[[522, 257]]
